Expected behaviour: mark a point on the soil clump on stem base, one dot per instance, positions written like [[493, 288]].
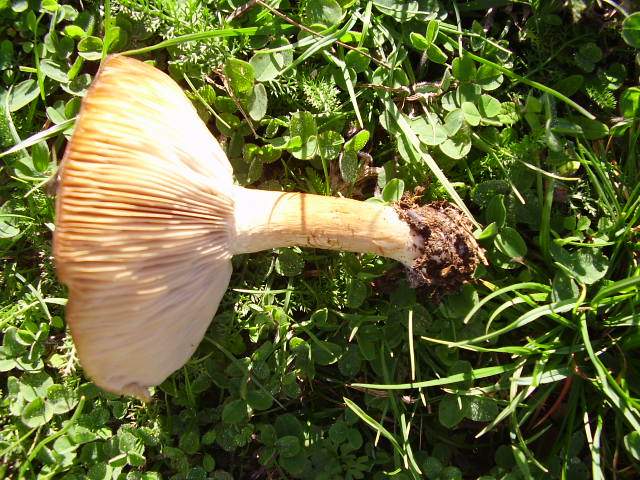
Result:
[[450, 253]]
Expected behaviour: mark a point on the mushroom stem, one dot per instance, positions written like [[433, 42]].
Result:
[[266, 219]]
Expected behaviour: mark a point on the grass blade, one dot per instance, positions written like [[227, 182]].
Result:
[[522, 320], [476, 374], [510, 288], [413, 140], [374, 424], [620, 285], [220, 33], [617, 397], [38, 137]]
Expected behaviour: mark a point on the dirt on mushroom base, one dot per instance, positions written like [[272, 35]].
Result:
[[450, 254]]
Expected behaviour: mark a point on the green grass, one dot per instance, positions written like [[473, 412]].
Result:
[[327, 365]]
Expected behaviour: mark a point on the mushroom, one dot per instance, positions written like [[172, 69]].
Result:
[[148, 218]]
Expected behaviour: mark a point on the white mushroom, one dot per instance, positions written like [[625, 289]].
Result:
[[148, 219]]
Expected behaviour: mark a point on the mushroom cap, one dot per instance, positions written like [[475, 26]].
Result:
[[143, 222]]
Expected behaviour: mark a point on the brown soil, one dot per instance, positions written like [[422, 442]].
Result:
[[450, 253]]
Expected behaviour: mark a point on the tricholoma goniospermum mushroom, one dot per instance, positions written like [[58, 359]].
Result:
[[148, 218]]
